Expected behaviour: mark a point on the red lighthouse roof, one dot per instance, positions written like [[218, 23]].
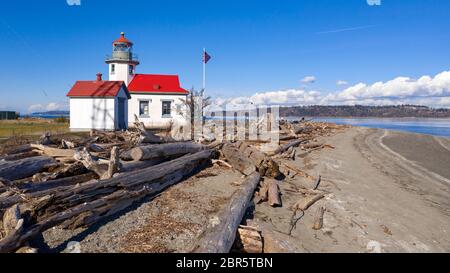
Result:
[[98, 88], [148, 83], [123, 40]]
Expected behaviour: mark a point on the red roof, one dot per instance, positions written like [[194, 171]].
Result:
[[108, 89], [122, 39], [156, 84]]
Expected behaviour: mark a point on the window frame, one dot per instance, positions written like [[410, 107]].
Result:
[[170, 108], [148, 108], [131, 69]]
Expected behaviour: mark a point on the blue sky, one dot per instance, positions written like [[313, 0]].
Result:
[[257, 47]]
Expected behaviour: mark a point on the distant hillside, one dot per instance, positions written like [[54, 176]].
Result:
[[365, 111], [51, 113]]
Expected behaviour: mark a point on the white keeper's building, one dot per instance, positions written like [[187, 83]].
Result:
[[112, 104]]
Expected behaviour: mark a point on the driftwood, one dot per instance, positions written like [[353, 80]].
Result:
[[64, 171], [220, 238], [19, 156], [265, 164], [273, 193], [45, 139], [262, 194], [104, 170], [237, 159], [90, 202], [145, 136], [248, 240], [318, 218], [313, 145], [283, 148], [307, 202], [53, 152], [13, 170], [65, 144], [10, 219], [165, 150]]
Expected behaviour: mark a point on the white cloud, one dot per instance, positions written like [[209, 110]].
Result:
[[429, 91], [402, 89], [308, 79], [52, 106], [341, 82]]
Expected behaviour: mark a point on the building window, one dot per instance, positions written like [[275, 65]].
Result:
[[131, 69], [143, 108], [113, 68], [166, 109]]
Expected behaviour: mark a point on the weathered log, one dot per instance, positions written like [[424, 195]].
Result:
[[307, 202], [18, 169], [145, 137], [285, 147], [263, 194], [248, 240], [265, 165], [19, 156], [312, 145], [318, 218], [53, 152], [45, 139], [91, 202], [20, 149], [126, 155], [64, 171], [10, 219], [165, 150], [36, 190], [65, 144], [237, 159], [220, 238], [114, 163], [91, 163], [273, 193]]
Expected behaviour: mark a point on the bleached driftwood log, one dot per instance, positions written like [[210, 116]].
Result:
[[237, 159], [220, 238], [18, 169], [265, 164], [283, 148], [318, 218], [273, 193], [53, 152], [165, 150], [90, 202]]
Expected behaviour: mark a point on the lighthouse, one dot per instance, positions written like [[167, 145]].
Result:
[[122, 63]]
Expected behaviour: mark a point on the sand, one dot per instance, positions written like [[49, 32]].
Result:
[[387, 192]]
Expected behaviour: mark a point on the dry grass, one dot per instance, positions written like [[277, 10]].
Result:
[[32, 127]]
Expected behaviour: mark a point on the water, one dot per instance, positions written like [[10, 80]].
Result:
[[429, 126]]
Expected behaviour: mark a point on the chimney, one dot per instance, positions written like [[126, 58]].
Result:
[[99, 77]]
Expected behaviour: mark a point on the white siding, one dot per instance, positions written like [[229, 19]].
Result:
[[155, 118], [121, 73], [96, 113]]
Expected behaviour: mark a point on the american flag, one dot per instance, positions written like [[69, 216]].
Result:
[[206, 57]]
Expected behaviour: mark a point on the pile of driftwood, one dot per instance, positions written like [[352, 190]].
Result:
[[76, 183]]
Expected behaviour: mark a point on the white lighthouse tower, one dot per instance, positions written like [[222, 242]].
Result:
[[122, 63]]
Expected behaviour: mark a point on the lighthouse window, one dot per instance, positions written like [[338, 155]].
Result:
[[143, 108], [113, 69], [131, 68], [166, 109]]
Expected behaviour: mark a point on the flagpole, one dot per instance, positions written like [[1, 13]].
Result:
[[204, 71]]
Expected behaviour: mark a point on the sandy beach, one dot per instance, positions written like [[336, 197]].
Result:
[[385, 192], [388, 192]]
